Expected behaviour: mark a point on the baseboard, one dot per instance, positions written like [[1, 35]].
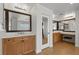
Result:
[[45, 46]]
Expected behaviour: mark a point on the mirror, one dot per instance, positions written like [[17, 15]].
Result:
[[69, 25], [44, 30], [54, 25], [17, 21], [57, 26], [66, 27]]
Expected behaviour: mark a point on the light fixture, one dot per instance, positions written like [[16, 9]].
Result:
[[71, 3], [22, 7]]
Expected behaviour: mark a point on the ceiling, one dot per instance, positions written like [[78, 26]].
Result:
[[59, 8]]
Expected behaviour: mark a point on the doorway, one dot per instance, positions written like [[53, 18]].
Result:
[[64, 33]]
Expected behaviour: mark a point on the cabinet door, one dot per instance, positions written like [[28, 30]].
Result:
[[12, 46], [18, 46], [29, 45], [7, 46], [57, 37]]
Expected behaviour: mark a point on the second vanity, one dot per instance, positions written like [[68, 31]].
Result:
[[18, 45], [69, 36], [64, 36]]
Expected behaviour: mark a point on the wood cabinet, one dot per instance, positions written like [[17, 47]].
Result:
[[57, 36], [19, 45], [29, 44]]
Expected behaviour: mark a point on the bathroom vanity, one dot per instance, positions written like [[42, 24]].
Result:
[[19, 45], [69, 36], [64, 36], [65, 29]]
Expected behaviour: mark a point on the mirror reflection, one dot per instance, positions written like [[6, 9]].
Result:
[[17, 21], [44, 30]]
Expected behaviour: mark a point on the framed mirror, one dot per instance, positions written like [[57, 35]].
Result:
[[17, 21], [45, 29], [69, 25], [54, 25], [66, 27]]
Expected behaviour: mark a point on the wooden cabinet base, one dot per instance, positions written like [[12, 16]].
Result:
[[57, 37], [30, 53], [18, 45]]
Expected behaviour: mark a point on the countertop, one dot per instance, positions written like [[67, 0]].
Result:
[[16, 35], [69, 33]]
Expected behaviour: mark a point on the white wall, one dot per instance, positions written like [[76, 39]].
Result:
[[76, 6], [1, 20], [11, 6], [39, 11], [36, 11], [4, 33], [77, 28], [72, 25]]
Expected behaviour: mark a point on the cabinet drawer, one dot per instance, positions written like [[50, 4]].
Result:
[[29, 45], [69, 38], [12, 40], [8, 41]]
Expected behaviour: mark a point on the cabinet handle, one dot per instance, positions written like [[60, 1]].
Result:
[[22, 41], [8, 40]]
